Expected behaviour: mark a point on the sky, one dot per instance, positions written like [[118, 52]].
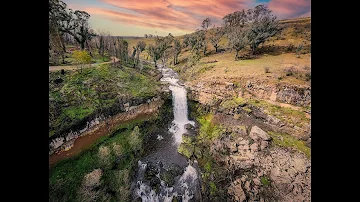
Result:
[[179, 17]]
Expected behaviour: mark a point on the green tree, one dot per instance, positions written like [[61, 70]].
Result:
[[81, 58], [238, 39]]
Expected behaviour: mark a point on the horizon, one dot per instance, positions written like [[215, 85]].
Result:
[[161, 17]]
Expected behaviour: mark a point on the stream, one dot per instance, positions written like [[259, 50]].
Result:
[[163, 174]]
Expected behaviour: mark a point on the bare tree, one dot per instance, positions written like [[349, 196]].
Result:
[[177, 50], [197, 41], [206, 23], [140, 47], [215, 36], [154, 52]]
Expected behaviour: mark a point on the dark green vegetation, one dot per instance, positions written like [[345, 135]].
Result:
[[75, 98], [116, 155]]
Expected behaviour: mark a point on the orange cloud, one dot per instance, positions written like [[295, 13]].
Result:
[[187, 15], [168, 14]]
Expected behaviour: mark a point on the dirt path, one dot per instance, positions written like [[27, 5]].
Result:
[[74, 67]]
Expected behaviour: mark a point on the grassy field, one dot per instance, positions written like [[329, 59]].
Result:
[[289, 49], [115, 155], [82, 94]]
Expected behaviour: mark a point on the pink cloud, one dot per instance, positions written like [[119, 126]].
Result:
[[188, 15], [290, 8]]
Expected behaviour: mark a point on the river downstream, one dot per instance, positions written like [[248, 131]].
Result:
[[163, 174]]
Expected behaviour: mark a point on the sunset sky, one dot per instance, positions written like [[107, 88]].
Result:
[[160, 17]]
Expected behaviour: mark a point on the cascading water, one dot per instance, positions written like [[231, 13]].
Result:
[[164, 158]]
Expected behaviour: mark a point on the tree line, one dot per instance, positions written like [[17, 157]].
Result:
[[242, 28]]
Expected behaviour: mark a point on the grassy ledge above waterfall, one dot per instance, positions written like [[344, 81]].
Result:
[[76, 96]]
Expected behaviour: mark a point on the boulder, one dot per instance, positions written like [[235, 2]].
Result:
[[263, 144], [188, 126], [236, 191], [254, 147], [257, 133]]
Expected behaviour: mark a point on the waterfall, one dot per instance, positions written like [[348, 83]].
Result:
[[187, 184]]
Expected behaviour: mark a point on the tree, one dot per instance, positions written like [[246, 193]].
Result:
[[81, 58], [140, 47], [102, 43], [238, 39], [74, 23], [215, 35], [197, 41], [263, 25], [122, 47], [56, 37], [177, 50], [154, 52], [235, 19], [186, 41], [161, 47], [206, 23]]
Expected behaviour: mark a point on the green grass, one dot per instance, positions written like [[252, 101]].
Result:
[[230, 104], [208, 130], [66, 176], [213, 188], [265, 181], [77, 112], [285, 140], [286, 114], [186, 150], [82, 94]]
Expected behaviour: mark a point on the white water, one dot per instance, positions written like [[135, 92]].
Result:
[[185, 185], [180, 106]]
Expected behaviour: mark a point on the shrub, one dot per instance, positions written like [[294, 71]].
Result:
[[290, 47], [267, 69], [290, 71], [104, 156], [134, 139]]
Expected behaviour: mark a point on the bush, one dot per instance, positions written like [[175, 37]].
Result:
[[290, 71], [290, 47], [135, 140], [104, 156], [308, 76], [267, 69]]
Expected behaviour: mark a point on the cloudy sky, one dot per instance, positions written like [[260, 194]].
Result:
[[160, 17]]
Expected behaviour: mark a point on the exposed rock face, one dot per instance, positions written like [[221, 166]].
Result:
[[282, 92], [205, 91], [295, 95], [272, 173]]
